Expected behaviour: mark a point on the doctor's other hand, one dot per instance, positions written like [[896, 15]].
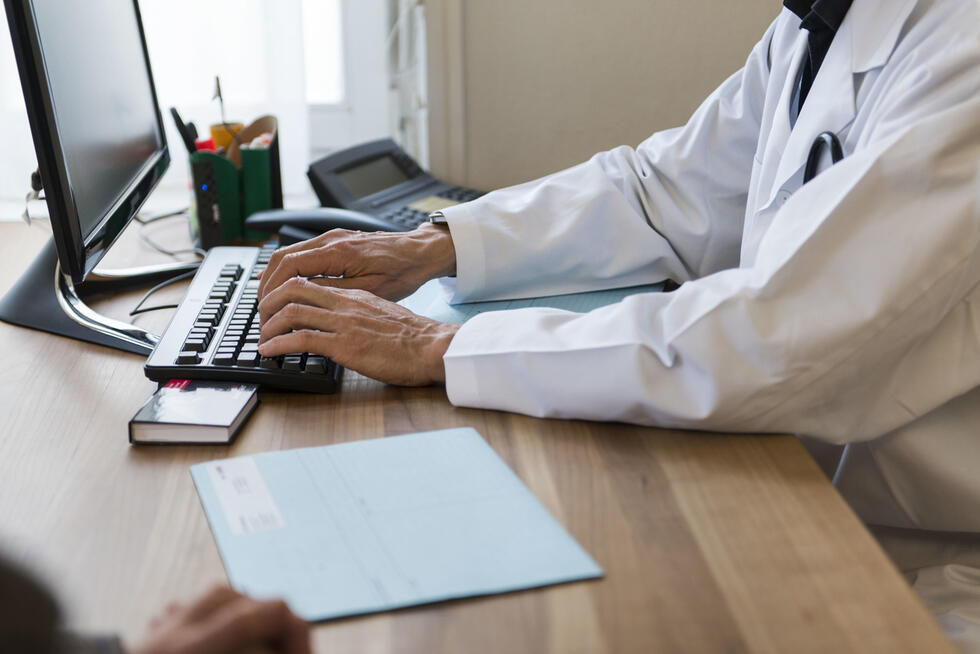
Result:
[[223, 621], [391, 265], [355, 328]]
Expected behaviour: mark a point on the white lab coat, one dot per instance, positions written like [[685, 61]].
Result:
[[847, 309]]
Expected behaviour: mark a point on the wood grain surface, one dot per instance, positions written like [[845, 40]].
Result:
[[709, 542]]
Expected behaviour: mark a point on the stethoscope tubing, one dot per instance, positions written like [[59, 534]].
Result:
[[823, 140]]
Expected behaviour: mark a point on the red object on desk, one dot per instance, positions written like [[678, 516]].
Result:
[[205, 144]]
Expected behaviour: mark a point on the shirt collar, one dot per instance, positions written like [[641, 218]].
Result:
[[830, 12]]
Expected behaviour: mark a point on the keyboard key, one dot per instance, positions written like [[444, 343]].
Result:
[[224, 358], [231, 270], [248, 359], [269, 363], [316, 365], [195, 345], [292, 362], [251, 338], [188, 357]]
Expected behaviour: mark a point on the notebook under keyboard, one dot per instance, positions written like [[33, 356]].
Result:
[[215, 332]]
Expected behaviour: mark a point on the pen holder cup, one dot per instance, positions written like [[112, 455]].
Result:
[[229, 187]]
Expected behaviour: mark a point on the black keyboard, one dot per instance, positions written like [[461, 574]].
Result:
[[215, 332]]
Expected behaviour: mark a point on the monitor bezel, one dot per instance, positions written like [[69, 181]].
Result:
[[78, 253]]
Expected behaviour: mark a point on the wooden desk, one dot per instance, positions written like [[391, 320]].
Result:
[[710, 543]]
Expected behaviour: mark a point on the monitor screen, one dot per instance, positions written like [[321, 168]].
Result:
[[376, 175], [97, 128], [103, 103]]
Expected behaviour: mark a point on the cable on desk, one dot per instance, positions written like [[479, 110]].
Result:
[[137, 309], [143, 222], [161, 216], [159, 307]]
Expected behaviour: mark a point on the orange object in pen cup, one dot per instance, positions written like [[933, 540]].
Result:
[[223, 133]]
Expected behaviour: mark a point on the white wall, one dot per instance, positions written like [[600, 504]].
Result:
[[520, 88]]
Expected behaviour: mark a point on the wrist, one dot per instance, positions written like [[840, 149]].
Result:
[[442, 338], [438, 249]]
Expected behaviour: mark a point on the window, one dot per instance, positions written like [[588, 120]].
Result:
[[318, 65]]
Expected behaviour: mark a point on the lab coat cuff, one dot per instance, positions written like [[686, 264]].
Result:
[[462, 378], [471, 268]]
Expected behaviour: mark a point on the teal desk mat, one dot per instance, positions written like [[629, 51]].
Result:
[[430, 301]]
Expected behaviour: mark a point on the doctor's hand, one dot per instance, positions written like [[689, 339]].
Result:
[[355, 328], [225, 622], [391, 265]]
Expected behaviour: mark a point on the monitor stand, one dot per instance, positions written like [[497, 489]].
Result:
[[46, 299]]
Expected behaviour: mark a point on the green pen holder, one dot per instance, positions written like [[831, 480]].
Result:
[[230, 187]]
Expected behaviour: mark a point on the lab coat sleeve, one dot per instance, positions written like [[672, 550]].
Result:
[[589, 227], [860, 313]]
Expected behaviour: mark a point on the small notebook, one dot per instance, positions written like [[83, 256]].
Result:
[[185, 411], [385, 523]]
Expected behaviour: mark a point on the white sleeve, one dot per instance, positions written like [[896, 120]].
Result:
[[673, 208], [860, 313]]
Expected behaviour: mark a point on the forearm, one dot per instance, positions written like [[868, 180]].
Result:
[[572, 231], [434, 244]]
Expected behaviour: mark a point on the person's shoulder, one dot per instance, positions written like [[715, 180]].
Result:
[[939, 46], [947, 24]]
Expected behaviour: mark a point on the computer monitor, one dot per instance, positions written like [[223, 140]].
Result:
[[99, 138]]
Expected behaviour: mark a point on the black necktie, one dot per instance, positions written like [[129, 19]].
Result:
[[821, 18]]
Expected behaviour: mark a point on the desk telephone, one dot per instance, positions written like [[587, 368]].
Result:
[[375, 186]]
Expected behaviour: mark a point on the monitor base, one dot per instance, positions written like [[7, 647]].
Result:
[[45, 299]]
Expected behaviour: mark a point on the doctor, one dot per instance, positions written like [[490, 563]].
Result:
[[846, 309]]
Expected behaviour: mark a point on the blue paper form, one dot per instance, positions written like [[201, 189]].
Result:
[[380, 524], [430, 301]]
